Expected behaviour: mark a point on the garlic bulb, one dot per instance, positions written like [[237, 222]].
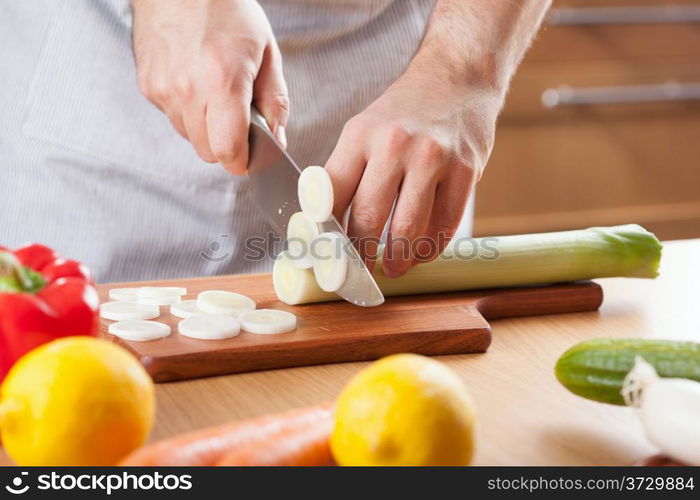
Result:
[[669, 409]]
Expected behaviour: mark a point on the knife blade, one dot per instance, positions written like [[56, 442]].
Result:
[[273, 178]]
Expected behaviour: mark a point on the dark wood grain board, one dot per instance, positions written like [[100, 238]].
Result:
[[451, 323]]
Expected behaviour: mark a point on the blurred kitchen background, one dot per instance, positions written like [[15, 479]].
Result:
[[602, 124]]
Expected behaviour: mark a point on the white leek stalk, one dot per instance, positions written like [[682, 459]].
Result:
[[297, 286], [529, 259]]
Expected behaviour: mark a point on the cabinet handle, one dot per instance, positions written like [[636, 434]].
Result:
[[581, 16], [581, 96]]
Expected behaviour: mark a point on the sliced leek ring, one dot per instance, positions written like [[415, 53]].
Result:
[[224, 302], [301, 231], [330, 261], [127, 310], [209, 327], [315, 191], [139, 330], [185, 309], [163, 300], [268, 321]]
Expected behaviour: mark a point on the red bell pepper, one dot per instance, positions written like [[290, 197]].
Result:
[[42, 297]]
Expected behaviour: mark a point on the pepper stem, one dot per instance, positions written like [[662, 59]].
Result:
[[14, 277]]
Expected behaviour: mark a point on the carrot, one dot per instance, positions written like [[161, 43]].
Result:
[[208, 446], [306, 445]]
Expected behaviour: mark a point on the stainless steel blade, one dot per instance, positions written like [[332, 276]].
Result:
[[359, 286], [273, 178]]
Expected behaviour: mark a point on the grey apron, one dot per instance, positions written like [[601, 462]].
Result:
[[90, 167]]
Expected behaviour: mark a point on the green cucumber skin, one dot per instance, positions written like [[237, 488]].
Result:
[[596, 368]]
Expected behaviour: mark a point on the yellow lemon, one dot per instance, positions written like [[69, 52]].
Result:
[[404, 410], [75, 401]]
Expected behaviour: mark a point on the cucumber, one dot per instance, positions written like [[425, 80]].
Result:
[[596, 368]]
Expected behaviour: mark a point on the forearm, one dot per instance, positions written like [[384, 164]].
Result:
[[480, 42]]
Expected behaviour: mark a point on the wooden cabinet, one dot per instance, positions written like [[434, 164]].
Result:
[[617, 138]]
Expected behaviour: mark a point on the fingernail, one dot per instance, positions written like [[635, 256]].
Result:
[[390, 273], [281, 136]]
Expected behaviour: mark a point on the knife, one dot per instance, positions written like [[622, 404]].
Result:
[[273, 178]]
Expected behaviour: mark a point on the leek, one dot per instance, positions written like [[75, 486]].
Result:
[[530, 259]]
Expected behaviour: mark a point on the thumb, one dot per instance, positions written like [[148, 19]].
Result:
[[270, 93]]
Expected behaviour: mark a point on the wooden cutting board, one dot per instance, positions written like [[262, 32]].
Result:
[[451, 323]]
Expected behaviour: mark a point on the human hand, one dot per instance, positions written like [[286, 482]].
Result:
[[203, 62], [426, 141]]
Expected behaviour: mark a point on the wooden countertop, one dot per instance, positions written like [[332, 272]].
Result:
[[525, 416]]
